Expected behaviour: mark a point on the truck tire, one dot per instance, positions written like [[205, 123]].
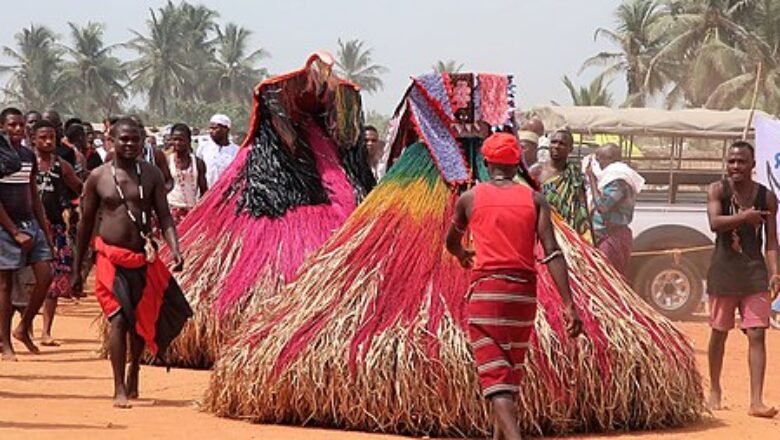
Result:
[[673, 289]]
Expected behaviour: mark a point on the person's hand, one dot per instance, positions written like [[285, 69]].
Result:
[[754, 217], [574, 326], [466, 258], [76, 284], [178, 262], [589, 169], [774, 287], [24, 240]]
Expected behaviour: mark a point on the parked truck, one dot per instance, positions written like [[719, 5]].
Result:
[[679, 153]]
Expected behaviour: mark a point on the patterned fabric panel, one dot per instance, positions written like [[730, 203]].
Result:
[[437, 136]]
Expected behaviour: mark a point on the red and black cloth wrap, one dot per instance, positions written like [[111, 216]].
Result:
[[146, 295]]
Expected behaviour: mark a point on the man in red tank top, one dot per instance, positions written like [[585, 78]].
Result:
[[505, 219]]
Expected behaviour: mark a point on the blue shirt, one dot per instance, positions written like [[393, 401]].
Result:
[[615, 207]]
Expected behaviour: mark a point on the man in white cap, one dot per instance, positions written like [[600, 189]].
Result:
[[219, 151], [529, 141]]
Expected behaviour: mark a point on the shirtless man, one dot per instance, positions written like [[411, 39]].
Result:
[[125, 191]]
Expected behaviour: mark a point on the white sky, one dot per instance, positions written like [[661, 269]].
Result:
[[537, 40]]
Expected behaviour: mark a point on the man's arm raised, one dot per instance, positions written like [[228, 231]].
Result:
[[722, 223]]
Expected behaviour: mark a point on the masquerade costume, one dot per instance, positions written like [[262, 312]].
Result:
[[384, 298]]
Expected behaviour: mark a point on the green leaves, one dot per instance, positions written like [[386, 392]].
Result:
[[354, 63], [187, 66], [695, 52], [596, 94]]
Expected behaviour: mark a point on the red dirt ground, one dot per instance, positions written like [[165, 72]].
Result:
[[64, 394]]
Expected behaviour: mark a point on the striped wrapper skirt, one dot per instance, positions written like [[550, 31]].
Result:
[[500, 316]]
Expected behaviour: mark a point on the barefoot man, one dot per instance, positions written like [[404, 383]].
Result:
[[742, 213], [505, 219], [135, 290], [24, 240]]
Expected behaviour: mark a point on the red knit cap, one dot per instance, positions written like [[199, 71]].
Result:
[[502, 149]]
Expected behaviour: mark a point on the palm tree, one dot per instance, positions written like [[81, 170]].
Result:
[[595, 94], [708, 38], [768, 15], [764, 21], [36, 80], [95, 75], [449, 66], [233, 73], [198, 38], [638, 37], [354, 63], [163, 70]]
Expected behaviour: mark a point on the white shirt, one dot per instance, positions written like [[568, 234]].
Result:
[[217, 159], [185, 184]]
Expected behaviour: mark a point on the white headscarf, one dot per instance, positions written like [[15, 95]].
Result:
[[614, 171]]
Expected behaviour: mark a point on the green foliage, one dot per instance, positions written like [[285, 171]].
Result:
[[96, 78], [187, 67], [378, 120], [449, 66], [197, 114], [232, 74], [36, 79], [354, 63], [700, 53], [596, 94]]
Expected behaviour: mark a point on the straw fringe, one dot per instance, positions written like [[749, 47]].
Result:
[[370, 337], [237, 263]]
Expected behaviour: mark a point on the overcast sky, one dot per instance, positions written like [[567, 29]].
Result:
[[537, 40]]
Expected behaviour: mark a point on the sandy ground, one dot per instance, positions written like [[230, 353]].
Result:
[[64, 394]]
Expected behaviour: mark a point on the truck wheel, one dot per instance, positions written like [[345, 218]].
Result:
[[675, 290]]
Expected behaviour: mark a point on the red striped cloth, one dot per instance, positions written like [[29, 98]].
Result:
[[500, 316]]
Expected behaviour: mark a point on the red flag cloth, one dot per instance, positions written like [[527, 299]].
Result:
[[500, 320], [146, 294]]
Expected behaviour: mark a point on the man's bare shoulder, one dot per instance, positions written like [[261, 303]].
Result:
[[540, 200], [98, 172], [466, 196], [715, 189], [545, 171]]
